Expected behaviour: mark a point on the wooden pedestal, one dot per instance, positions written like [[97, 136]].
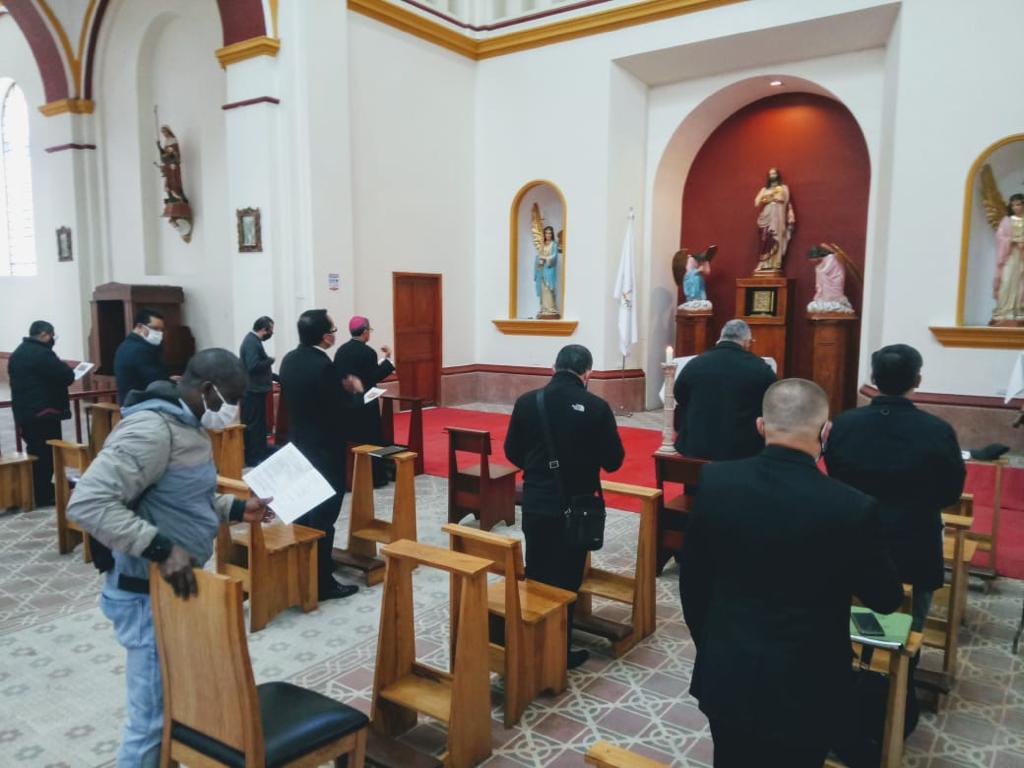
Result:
[[832, 356], [763, 302], [693, 329]]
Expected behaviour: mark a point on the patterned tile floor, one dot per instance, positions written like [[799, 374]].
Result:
[[61, 673]]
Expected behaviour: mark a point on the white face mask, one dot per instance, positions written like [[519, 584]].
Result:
[[154, 337], [225, 417]]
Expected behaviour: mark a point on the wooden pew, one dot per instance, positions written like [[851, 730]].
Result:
[[415, 441], [276, 564], [100, 420], [528, 620], [73, 458], [229, 450], [672, 513], [16, 488], [987, 540], [486, 492], [365, 530], [637, 591], [605, 755], [402, 687]]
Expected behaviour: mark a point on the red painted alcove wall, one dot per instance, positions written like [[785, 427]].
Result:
[[820, 150]]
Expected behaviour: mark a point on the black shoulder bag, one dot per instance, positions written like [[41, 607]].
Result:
[[584, 513]]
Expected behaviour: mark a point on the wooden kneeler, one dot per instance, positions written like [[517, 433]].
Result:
[[229, 450], [101, 418], [673, 513], [605, 755], [365, 530], [637, 591], [531, 621], [76, 457], [402, 687], [276, 564]]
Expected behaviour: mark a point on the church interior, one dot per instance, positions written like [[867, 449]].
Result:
[[488, 181]]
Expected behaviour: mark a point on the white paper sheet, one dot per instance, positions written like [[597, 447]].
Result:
[[83, 368], [373, 393], [1016, 379], [292, 481]]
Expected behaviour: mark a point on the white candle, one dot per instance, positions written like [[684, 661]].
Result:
[[668, 354]]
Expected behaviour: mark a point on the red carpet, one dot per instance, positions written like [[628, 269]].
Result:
[[639, 469]]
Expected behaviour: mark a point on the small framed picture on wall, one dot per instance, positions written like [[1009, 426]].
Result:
[[64, 244], [250, 240]]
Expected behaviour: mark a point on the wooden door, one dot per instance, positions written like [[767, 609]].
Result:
[[417, 313]]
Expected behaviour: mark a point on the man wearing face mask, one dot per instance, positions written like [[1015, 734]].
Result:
[[261, 381], [150, 496], [138, 361], [39, 395], [316, 402]]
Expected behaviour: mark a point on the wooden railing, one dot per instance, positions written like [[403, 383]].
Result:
[[76, 398]]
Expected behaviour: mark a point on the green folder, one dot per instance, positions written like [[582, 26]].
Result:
[[896, 626]]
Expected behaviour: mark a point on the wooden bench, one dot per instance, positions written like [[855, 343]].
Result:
[[415, 441], [637, 591], [486, 492], [16, 488], [100, 420], [402, 687], [673, 513], [70, 460], [276, 563], [987, 540], [528, 620], [605, 755], [229, 450], [365, 530]]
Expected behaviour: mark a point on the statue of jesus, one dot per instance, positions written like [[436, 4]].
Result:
[[775, 221]]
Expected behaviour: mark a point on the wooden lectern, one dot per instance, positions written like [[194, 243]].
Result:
[[113, 314], [693, 331], [832, 355], [763, 302]]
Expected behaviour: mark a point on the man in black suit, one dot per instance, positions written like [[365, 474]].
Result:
[[261, 381], [773, 554], [137, 361], [39, 395], [356, 358], [907, 459], [718, 398], [315, 399], [586, 440]]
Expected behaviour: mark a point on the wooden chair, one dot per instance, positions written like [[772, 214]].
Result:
[[528, 620], [100, 420], [415, 441], [70, 460], [486, 492], [365, 530], [214, 713], [402, 687], [672, 513], [895, 664], [229, 450], [16, 489], [275, 563], [637, 591], [605, 755]]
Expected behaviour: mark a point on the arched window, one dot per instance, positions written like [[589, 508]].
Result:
[[17, 230]]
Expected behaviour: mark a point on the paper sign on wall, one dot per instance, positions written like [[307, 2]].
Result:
[[333, 281]]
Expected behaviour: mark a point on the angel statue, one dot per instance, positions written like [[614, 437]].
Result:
[[176, 207], [690, 271], [775, 222], [830, 279], [1008, 221], [545, 270]]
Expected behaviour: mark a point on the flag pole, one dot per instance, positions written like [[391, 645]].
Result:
[[621, 409]]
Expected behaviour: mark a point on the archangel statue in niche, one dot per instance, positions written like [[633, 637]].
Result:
[[176, 208], [545, 268], [690, 271], [775, 222], [1008, 222], [830, 279]]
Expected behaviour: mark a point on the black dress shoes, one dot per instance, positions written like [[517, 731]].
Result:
[[576, 658], [336, 591]]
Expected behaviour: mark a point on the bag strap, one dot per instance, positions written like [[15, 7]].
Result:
[[553, 463]]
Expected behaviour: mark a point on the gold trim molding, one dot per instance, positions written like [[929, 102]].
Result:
[[247, 49], [979, 336], [547, 34], [536, 327], [73, 106]]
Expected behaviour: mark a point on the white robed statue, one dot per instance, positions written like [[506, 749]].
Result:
[[775, 222]]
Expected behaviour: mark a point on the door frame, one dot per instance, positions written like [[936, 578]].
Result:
[[438, 327]]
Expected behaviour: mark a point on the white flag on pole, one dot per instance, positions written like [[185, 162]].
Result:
[[625, 293]]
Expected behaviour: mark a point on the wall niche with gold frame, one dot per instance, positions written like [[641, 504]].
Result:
[[982, 318], [537, 254]]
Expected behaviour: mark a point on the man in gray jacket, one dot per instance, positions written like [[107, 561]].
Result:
[[150, 496]]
